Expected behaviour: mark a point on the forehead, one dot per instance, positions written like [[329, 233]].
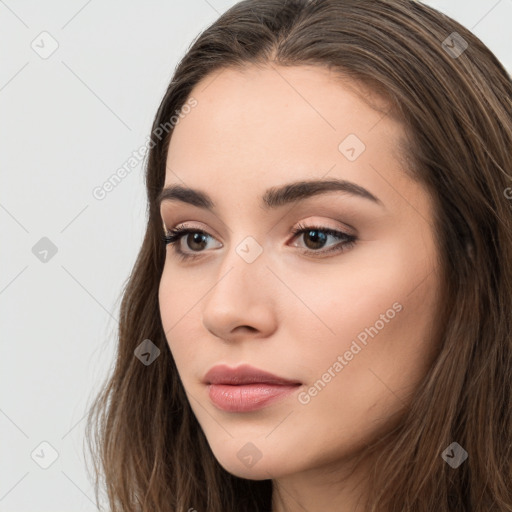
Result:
[[260, 126]]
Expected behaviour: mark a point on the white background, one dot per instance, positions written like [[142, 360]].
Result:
[[68, 123]]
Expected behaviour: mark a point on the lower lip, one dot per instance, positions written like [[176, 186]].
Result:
[[248, 397]]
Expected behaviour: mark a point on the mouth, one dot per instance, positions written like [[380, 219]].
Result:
[[246, 388]]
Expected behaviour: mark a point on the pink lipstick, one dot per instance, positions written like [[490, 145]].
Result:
[[245, 388]]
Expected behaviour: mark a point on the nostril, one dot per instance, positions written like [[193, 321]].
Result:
[[252, 329]]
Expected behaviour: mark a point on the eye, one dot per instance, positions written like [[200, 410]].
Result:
[[317, 237], [193, 236]]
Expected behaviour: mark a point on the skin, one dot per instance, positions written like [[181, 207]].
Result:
[[289, 313]]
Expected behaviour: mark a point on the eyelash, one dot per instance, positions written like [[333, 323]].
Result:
[[173, 237]]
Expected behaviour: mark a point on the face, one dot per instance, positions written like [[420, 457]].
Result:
[[343, 309]]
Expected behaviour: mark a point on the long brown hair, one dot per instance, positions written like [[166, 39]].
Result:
[[455, 104]]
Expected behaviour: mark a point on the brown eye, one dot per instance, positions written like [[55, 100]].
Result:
[[315, 238], [194, 238]]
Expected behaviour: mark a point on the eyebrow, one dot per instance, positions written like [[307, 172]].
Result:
[[274, 197]]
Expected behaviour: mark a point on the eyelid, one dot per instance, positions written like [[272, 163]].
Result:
[[309, 222], [319, 222], [192, 227]]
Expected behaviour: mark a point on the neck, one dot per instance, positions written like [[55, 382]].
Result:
[[340, 486]]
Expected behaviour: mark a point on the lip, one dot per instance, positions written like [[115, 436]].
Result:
[[243, 374], [245, 388]]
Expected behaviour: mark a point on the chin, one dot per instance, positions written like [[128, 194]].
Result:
[[245, 460]]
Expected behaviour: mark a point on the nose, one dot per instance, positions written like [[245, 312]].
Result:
[[242, 301]]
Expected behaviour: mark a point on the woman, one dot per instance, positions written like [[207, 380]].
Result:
[[319, 316]]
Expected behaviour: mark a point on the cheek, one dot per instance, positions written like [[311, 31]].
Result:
[[353, 400], [177, 297], [351, 296], [377, 314]]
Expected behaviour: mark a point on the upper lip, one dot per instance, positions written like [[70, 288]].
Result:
[[244, 374]]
